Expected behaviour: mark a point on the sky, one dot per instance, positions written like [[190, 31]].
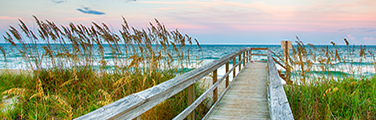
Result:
[[213, 21]]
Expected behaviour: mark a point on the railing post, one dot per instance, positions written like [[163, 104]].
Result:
[[286, 45], [244, 59], [247, 56], [250, 55], [233, 65], [227, 78], [215, 91], [191, 99], [240, 65]]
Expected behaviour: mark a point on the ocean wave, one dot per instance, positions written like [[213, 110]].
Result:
[[210, 53]]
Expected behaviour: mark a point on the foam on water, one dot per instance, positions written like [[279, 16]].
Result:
[[210, 53]]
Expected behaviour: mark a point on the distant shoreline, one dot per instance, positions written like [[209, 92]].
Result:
[[194, 44]]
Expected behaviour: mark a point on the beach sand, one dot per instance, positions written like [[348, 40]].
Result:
[[14, 71], [7, 102]]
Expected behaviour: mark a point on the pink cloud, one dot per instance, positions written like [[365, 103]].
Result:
[[353, 40], [349, 37], [6, 18], [166, 9], [365, 40], [251, 16], [369, 40], [186, 26]]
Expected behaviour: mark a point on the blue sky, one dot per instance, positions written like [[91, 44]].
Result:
[[214, 21]]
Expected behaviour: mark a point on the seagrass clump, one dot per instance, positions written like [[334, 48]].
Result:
[[78, 68], [309, 62]]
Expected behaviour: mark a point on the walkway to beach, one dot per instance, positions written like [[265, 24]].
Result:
[[255, 93], [246, 97]]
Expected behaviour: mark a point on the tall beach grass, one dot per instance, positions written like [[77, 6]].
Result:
[[70, 75], [322, 90]]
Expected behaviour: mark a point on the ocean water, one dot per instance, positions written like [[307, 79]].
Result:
[[208, 53], [354, 65]]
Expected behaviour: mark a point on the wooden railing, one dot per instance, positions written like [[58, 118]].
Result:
[[279, 108], [134, 105]]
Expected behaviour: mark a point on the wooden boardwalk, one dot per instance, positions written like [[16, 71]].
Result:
[[246, 97]]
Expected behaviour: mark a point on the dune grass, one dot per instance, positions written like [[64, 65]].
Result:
[[347, 98], [322, 91], [70, 75]]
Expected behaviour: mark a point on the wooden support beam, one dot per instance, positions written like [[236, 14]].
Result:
[[244, 59], [215, 91], [247, 56], [286, 45], [259, 48], [259, 61], [240, 65], [227, 78], [233, 65], [134, 105], [259, 55], [250, 53], [191, 99], [278, 63]]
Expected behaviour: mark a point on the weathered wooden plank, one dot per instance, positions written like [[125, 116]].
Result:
[[227, 77], [259, 48], [198, 101], [215, 91], [248, 117], [278, 63], [259, 54], [260, 61], [115, 108], [161, 94], [233, 64], [240, 61], [240, 102], [134, 105], [245, 60], [204, 95], [278, 103], [191, 99], [247, 53], [250, 56]]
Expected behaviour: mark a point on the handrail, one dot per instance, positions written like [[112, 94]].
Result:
[[259, 48], [190, 108], [259, 54], [279, 108], [277, 60], [136, 104]]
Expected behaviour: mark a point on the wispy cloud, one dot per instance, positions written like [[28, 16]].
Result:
[[369, 40], [358, 29], [6, 18], [88, 10], [59, 1]]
